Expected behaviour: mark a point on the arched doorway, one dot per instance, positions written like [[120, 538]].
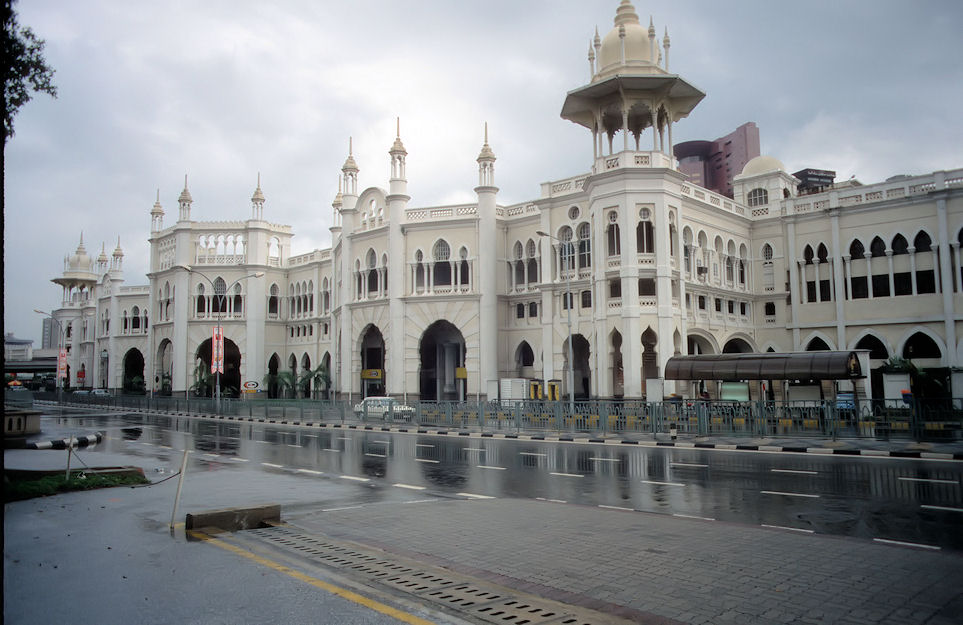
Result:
[[325, 377], [618, 373], [524, 360], [582, 373], [817, 345], [372, 362], [650, 356], [304, 383], [442, 351], [878, 355], [205, 381], [929, 378], [163, 367], [737, 346], [133, 381], [272, 376]]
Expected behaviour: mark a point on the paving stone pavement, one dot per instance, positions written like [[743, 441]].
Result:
[[663, 567]]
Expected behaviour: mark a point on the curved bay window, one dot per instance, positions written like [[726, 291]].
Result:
[[441, 269], [757, 197], [584, 245]]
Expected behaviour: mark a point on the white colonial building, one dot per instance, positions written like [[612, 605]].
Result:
[[439, 302]]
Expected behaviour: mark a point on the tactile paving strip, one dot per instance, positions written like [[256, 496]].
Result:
[[482, 602]]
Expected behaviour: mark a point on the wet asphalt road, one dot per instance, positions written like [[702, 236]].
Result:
[[916, 501]]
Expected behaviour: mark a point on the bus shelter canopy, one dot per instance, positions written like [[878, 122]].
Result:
[[765, 366]]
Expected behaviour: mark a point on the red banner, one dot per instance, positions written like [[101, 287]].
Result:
[[62, 363], [217, 351]]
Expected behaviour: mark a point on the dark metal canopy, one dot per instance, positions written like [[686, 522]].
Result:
[[765, 366]]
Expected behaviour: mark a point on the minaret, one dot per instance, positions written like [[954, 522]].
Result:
[[349, 216], [336, 216], [157, 215], [665, 45], [397, 261], [487, 264], [102, 260], [184, 202], [257, 202], [117, 264], [654, 53]]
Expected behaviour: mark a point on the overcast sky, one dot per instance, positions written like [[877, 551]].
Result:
[[222, 90]]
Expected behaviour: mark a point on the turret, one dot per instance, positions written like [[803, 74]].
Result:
[[257, 202], [157, 215], [184, 202]]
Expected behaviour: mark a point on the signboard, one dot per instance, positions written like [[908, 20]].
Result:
[[81, 374], [250, 385], [217, 350], [372, 374], [461, 373], [62, 363]]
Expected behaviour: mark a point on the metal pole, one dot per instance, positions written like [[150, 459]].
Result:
[[180, 484], [571, 349], [70, 444]]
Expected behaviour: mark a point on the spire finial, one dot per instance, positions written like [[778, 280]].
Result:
[[486, 134], [158, 195], [258, 180], [339, 183], [350, 146], [398, 127]]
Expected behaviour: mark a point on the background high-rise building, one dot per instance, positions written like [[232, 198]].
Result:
[[47, 340], [712, 164]]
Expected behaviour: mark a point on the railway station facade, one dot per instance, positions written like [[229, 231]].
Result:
[[631, 262]]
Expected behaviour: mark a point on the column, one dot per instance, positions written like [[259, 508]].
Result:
[[848, 266], [869, 272], [889, 258], [912, 255]]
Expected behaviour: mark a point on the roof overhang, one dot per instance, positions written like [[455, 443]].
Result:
[[580, 103], [766, 366]]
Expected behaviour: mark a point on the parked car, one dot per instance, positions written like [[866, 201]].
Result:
[[100, 392], [82, 392], [383, 407]]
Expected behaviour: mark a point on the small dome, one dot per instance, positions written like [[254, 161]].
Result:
[[762, 165], [103, 255], [79, 261], [118, 253], [638, 48]]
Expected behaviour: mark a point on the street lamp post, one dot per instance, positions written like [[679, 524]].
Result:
[[568, 306], [222, 304], [61, 345]]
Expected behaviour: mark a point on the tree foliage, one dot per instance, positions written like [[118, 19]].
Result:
[[25, 69]]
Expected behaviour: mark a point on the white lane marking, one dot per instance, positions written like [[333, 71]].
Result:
[[551, 500], [410, 487], [473, 449], [566, 474], [213, 455], [309, 435], [382, 442], [776, 492], [688, 464], [240, 459], [926, 479], [929, 507], [421, 500], [336, 509], [662, 483], [485, 466], [357, 479], [800, 471], [377, 455], [337, 451], [422, 445], [789, 529], [689, 516], [273, 466], [295, 446], [165, 446], [310, 471], [146, 443], [605, 459], [263, 442], [344, 438], [906, 544], [427, 460], [474, 496], [532, 453], [617, 508]]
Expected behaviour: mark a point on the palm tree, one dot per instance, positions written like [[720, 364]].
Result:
[[203, 380], [319, 376], [284, 381]]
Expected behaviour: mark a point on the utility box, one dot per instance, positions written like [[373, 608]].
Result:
[[511, 390]]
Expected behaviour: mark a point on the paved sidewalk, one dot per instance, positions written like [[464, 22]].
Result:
[[663, 567]]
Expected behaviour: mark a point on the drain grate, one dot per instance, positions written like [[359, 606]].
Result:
[[483, 602]]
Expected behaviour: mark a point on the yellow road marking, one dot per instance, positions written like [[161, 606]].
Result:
[[404, 617]]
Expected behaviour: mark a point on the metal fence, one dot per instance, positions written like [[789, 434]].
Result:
[[936, 420]]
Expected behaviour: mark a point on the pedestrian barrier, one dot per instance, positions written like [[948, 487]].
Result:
[[914, 419]]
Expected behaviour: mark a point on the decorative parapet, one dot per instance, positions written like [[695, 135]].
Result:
[[892, 190], [712, 199], [441, 212]]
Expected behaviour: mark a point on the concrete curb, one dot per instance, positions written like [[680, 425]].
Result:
[[77, 441]]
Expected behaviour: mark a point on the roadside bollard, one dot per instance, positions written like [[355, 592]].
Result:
[[673, 431]]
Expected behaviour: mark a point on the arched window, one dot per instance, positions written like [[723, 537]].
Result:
[[201, 300], [273, 300], [441, 270], [770, 309], [613, 240], [519, 264], [532, 251], [586, 299], [856, 249], [808, 254], [419, 270], [742, 272], [135, 319], [584, 245], [645, 237], [922, 242], [767, 252], [729, 272], [464, 267], [238, 301], [877, 247], [821, 253], [757, 197], [372, 262], [220, 290], [900, 246], [566, 251]]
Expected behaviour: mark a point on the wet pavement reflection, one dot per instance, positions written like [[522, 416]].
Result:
[[895, 499]]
